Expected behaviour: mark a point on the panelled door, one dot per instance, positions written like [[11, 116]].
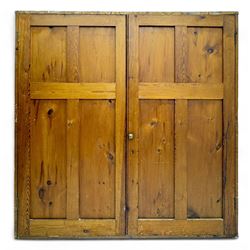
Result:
[[181, 159], [86, 169], [71, 119]]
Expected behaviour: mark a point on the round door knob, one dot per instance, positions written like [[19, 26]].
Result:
[[130, 136]]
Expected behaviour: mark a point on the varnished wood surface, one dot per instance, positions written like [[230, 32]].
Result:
[[180, 91], [72, 127], [204, 55], [68, 90], [230, 127], [156, 54], [204, 159], [22, 125], [156, 159], [194, 79], [72, 228], [181, 125], [186, 228], [48, 170], [181, 168], [96, 53], [97, 159]]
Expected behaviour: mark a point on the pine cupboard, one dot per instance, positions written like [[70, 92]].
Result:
[[126, 125]]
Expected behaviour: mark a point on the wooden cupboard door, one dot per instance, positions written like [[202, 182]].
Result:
[[181, 112], [70, 125]]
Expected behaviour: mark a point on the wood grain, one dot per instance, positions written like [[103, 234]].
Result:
[[75, 20], [71, 90], [181, 228], [73, 126], [97, 53], [133, 127], [181, 125], [180, 91], [181, 145], [204, 159], [72, 228], [204, 55], [156, 54], [97, 159], [229, 135], [48, 54], [182, 20], [181, 168], [48, 161], [156, 159], [22, 126], [120, 115]]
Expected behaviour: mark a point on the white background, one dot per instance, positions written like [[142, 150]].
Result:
[[7, 70]]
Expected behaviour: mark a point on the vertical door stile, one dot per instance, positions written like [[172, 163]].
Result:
[[120, 125], [180, 126], [229, 137], [22, 128], [133, 112], [73, 126]]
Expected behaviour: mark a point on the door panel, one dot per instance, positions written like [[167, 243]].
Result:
[[48, 159], [204, 54], [48, 54], [97, 159], [156, 159], [178, 92], [76, 125], [156, 54], [97, 53], [204, 159]]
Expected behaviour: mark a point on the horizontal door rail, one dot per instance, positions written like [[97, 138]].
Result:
[[181, 90], [191, 227], [80, 20], [173, 20], [72, 228], [63, 90]]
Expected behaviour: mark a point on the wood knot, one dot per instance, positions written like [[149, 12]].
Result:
[[41, 193], [49, 182], [70, 123], [85, 231], [210, 50], [110, 156], [50, 112], [153, 123], [218, 147], [50, 203]]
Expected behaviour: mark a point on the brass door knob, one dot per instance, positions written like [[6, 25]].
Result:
[[130, 136]]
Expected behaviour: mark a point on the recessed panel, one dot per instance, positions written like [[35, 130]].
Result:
[[48, 54], [156, 159], [204, 159], [97, 54], [48, 159], [97, 158], [204, 57], [156, 54]]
